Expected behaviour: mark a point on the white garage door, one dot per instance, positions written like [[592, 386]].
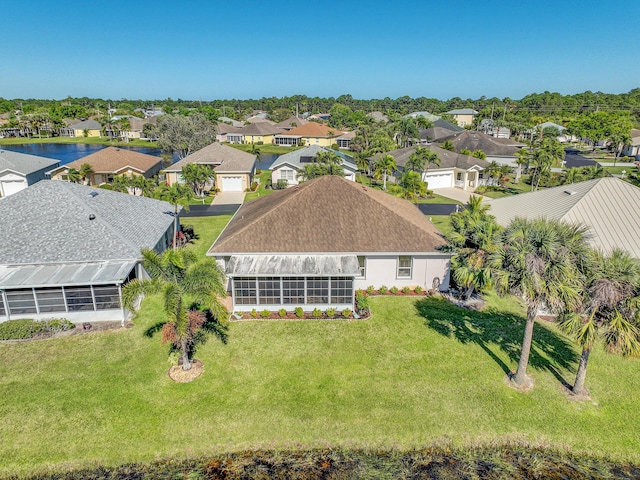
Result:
[[231, 184], [439, 180], [9, 188]]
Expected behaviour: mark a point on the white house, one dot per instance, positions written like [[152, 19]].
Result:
[[287, 166], [19, 170], [313, 245]]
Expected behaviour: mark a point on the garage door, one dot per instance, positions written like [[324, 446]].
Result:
[[440, 180], [9, 188], [232, 184]]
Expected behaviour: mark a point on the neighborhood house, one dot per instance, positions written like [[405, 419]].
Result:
[[19, 170]]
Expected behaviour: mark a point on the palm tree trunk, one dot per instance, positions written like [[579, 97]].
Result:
[[578, 386], [384, 181], [520, 378], [186, 364], [518, 174], [469, 292]]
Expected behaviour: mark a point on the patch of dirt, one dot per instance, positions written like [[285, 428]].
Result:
[[177, 374]]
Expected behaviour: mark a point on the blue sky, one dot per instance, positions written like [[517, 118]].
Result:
[[206, 50]]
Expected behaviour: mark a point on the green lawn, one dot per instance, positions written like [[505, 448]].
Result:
[[261, 192], [263, 148], [619, 170], [83, 140], [441, 222], [207, 230], [510, 189]]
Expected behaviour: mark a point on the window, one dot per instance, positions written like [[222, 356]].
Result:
[[20, 302], [362, 263], [318, 290], [404, 266], [269, 290], [244, 291], [50, 300], [341, 290], [286, 175], [107, 297], [292, 290], [79, 298]]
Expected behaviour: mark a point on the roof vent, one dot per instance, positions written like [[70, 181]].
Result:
[[93, 194], [570, 192], [92, 217]]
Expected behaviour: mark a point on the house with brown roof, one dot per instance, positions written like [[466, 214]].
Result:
[[501, 150], [112, 161], [224, 129], [290, 123], [311, 133], [313, 245], [234, 168]]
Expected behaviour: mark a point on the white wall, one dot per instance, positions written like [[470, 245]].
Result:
[[382, 270]]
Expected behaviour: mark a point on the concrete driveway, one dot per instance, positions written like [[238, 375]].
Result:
[[228, 198], [457, 194]]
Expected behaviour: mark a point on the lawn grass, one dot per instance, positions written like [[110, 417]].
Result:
[[442, 223], [262, 191], [619, 170], [207, 230], [418, 372], [82, 140], [510, 189], [438, 199], [276, 149]]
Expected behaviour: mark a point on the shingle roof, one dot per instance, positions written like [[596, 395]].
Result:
[[608, 206], [24, 163], [492, 146], [113, 159], [328, 215], [226, 159], [49, 222], [223, 128], [291, 120], [314, 129], [86, 125], [447, 159], [260, 128], [294, 158]]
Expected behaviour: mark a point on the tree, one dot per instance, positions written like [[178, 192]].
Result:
[[479, 154], [182, 280], [523, 156], [197, 176], [608, 310], [183, 135], [177, 195], [86, 170], [539, 263], [411, 186], [73, 175], [542, 158], [383, 167], [572, 175], [448, 145]]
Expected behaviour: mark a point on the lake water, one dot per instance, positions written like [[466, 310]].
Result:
[[68, 152]]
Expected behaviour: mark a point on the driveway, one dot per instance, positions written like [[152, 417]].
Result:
[[224, 203], [456, 194], [228, 198]]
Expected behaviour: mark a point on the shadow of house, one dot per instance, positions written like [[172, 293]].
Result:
[[495, 331]]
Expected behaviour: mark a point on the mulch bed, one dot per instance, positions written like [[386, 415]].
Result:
[[177, 374]]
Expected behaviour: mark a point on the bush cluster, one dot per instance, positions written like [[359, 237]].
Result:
[[24, 328]]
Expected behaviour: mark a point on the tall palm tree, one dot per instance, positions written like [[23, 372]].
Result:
[[183, 281], [608, 310], [73, 175], [177, 195], [86, 170], [523, 156], [411, 186], [383, 167], [539, 261]]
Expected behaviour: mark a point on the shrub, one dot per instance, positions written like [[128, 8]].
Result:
[[106, 186], [383, 290], [346, 313], [55, 325], [406, 290], [331, 312], [418, 289], [393, 290], [282, 312], [268, 184], [254, 186], [24, 328], [281, 184], [254, 313], [362, 302], [370, 290], [265, 313], [260, 142], [299, 312], [258, 171], [317, 313], [335, 146]]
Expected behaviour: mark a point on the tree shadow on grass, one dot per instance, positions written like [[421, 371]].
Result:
[[549, 351]]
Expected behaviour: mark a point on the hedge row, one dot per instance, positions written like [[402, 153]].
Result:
[[25, 328]]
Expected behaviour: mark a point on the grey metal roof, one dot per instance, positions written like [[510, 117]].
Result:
[[65, 274], [24, 163], [608, 206], [51, 222], [293, 158], [240, 265], [462, 111]]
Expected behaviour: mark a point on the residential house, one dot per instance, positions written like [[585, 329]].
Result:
[[441, 128], [73, 247], [291, 122], [224, 129], [86, 128], [313, 245], [378, 117], [312, 133], [136, 127], [633, 148], [19, 170], [455, 170], [429, 116], [258, 133], [562, 137], [500, 150], [287, 166], [234, 168], [607, 206], [344, 140], [111, 161], [464, 116]]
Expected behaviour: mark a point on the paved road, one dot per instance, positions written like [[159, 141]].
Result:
[[210, 210], [438, 208]]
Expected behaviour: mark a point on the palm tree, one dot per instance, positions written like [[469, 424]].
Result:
[[383, 167], [572, 175], [181, 279], [539, 261], [417, 162], [86, 170], [411, 186], [177, 194], [448, 145], [608, 310], [73, 175], [523, 156]]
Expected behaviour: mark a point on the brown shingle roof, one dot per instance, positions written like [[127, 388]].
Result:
[[492, 146], [113, 159], [287, 124], [447, 159], [226, 159], [328, 214], [314, 129], [260, 128]]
